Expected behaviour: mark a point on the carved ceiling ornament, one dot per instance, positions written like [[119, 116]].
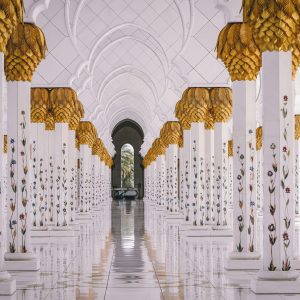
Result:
[[275, 23], [38, 104], [221, 100], [193, 107], [239, 52], [171, 133], [11, 14], [25, 50]]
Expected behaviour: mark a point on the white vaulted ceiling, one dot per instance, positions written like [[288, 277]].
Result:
[[130, 59]]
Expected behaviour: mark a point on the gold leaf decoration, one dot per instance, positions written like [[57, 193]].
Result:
[[86, 133], [25, 50], [239, 52], [76, 116], [171, 133], [297, 127], [98, 147], [221, 99], [5, 144], [259, 138], [209, 121], [158, 147], [193, 107], [230, 148], [295, 57], [63, 102], [39, 100], [11, 14], [275, 23]]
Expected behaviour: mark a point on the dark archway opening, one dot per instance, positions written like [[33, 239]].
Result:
[[128, 132]]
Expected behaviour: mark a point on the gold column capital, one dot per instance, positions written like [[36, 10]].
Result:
[[158, 147], [25, 50], [39, 100], [63, 102], [76, 116], [5, 144], [221, 100], [209, 121], [239, 52], [11, 14], [86, 133], [171, 133], [193, 106], [275, 23]]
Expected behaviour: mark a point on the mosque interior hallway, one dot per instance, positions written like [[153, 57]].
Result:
[[140, 258]]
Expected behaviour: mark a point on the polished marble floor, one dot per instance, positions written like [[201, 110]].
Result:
[[134, 262]]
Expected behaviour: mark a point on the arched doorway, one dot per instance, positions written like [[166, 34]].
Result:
[[127, 166], [125, 133]]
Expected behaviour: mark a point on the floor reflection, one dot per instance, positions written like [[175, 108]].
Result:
[[120, 257]]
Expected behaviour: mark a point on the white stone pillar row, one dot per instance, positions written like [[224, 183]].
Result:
[[209, 169], [186, 164], [39, 102], [49, 154], [244, 254], [194, 109], [259, 170], [171, 136], [74, 120], [297, 167], [277, 274], [86, 134], [159, 151], [63, 102], [20, 64], [230, 180], [221, 99]]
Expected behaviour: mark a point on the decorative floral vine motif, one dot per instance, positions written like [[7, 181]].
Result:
[[181, 190], [213, 178], [208, 191], [34, 184], [218, 194], [187, 191], [175, 189], [171, 191], [80, 190], [195, 186], [41, 207], [64, 185], [168, 190], [240, 186], [286, 152], [225, 183], [272, 205], [252, 204], [24, 192], [72, 194], [13, 199], [58, 195], [258, 181], [202, 188], [51, 186]]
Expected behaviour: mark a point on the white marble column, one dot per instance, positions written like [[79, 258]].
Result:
[[245, 254], [161, 166], [209, 178], [297, 167], [278, 152], [19, 255], [259, 170]]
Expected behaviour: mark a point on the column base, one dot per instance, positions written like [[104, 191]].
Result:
[[61, 231], [277, 282], [243, 261], [7, 284], [21, 262]]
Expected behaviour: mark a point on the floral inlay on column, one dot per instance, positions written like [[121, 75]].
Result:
[[195, 186], [208, 190], [64, 185], [225, 184], [187, 192], [24, 192], [13, 201], [51, 186], [34, 184]]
